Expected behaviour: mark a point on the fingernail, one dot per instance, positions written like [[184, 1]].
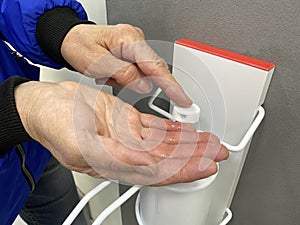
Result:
[[188, 100], [144, 86]]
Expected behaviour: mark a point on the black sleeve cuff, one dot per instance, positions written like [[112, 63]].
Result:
[[52, 27], [12, 131]]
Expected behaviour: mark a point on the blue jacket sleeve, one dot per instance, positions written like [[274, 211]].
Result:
[[18, 20]]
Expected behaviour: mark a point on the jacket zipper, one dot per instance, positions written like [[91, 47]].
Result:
[[25, 170]]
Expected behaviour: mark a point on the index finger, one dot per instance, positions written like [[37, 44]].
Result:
[[155, 67]]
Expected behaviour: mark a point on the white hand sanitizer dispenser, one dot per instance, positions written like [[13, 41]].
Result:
[[230, 88], [177, 204], [187, 114]]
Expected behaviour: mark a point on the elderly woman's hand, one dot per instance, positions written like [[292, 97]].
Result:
[[93, 132], [119, 55]]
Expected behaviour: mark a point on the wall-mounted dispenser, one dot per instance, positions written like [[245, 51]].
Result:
[[158, 205], [230, 89]]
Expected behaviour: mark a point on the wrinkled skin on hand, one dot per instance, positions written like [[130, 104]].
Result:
[[118, 55], [93, 132]]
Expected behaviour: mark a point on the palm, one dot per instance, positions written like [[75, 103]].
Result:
[[96, 133]]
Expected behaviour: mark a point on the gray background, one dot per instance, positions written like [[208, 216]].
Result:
[[269, 189]]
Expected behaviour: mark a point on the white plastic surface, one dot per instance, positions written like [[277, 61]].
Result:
[[190, 202], [229, 94], [187, 115], [159, 206], [140, 221]]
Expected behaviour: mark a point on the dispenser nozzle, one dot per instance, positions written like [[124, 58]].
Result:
[[186, 114]]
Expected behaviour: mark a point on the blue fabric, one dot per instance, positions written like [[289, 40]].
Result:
[[53, 199], [14, 188], [18, 20], [17, 25]]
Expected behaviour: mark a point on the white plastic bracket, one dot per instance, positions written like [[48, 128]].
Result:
[[72, 216], [233, 148], [106, 212], [117, 203]]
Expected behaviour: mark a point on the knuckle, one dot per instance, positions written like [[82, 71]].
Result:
[[127, 29], [160, 62], [129, 33], [157, 65], [129, 74], [69, 85], [140, 31]]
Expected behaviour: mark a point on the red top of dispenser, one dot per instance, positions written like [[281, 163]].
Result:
[[267, 66]]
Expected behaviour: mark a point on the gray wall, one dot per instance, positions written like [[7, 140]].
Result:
[[269, 188]]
